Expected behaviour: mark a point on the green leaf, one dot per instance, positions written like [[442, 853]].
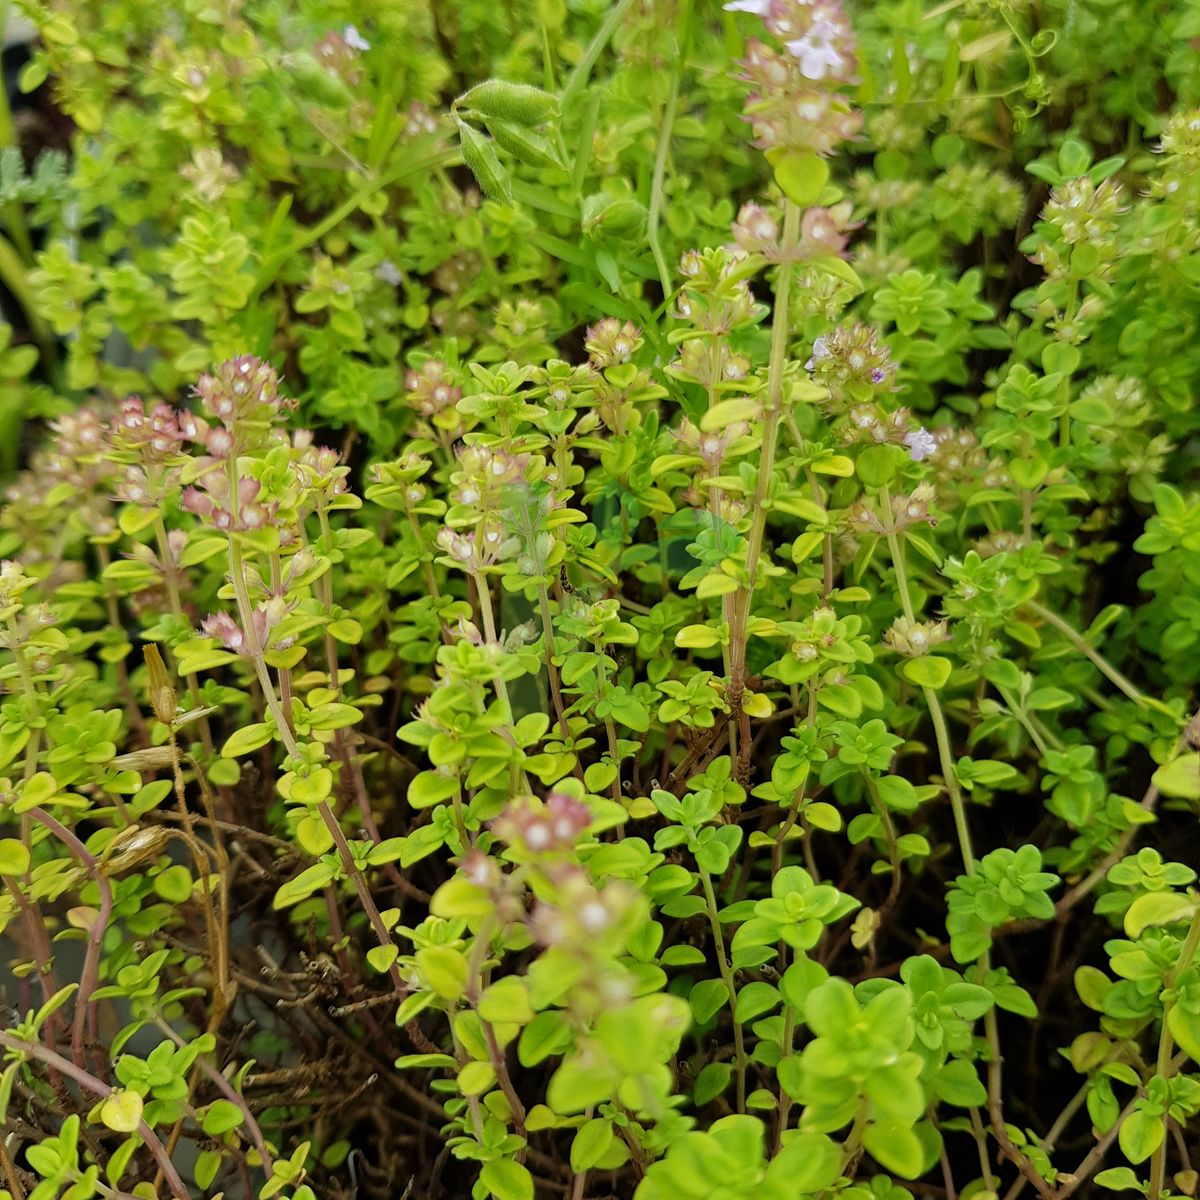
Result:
[[929, 671], [430, 788], [802, 177], [810, 1162], [896, 1148], [346, 630], [1184, 1024], [590, 1144], [506, 1001], [696, 637], [174, 884], [1180, 777], [444, 969], [475, 1078], [1157, 908], [334, 716], [898, 793], [313, 836], [14, 857], [1141, 1134], [753, 1000], [311, 879], [459, 897], [208, 1163], [221, 1116], [958, 1083], [380, 958], [122, 1110], [134, 518], [877, 465], [711, 1082], [507, 1180], [1119, 1179], [841, 698], [425, 1062], [727, 412], [548, 1033], [54, 1004], [246, 740], [576, 1086]]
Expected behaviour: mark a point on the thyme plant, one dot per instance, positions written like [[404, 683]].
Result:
[[601, 601]]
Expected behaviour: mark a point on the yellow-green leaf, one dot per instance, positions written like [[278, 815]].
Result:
[[696, 637], [122, 1111]]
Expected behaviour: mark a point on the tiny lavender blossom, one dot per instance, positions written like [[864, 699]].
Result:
[[921, 444]]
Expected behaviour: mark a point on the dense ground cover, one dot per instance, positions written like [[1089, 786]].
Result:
[[600, 599]]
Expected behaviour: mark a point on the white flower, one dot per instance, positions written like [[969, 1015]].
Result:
[[816, 50], [759, 8], [389, 273], [354, 39], [819, 354], [921, 444]]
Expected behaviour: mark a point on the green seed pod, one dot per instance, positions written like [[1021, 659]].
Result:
[[530, 148], [515, 102], [605, 217], [317, 85], [478, 154]]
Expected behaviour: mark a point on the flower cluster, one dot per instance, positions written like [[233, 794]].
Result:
[[796, 102], [481, 477], [854, 364], [319, 470], [958, 462], [230, 634], [242, 509], [339, 54], [823, 232], [610, 342], [14, 583], [906, 511], [433, 392], [1079, 213], [552, 827], [242, 395], [715, 297], [914, 638]]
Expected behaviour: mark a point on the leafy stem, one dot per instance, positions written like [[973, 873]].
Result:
[[781, 328], [1166, 1044], [1096, 658], [739, 1045], [97, 927], [100, 1089], [936, 715]]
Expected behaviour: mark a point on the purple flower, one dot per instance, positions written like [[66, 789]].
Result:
[[225, 630], [921, 444], [820, 352]]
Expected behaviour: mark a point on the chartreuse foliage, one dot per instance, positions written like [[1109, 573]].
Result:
[[719, 722]]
